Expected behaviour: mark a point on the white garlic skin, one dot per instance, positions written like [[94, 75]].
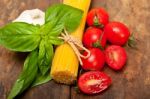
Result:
[[34, 16]]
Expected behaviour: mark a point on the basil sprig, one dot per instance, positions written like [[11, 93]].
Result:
[[39, 41]]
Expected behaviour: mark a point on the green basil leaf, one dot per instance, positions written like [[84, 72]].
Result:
[[41, 79], [46, 28], [63, 16], [55, 40], [49, 52], [19, 36], [45, 56], [44, 63], [42, 51], [27, 76]]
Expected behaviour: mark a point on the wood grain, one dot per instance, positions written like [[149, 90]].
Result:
[[133, 82]]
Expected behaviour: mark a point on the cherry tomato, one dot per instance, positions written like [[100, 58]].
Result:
[[116, 57], [94, 37], [95, 61], [93, 82], [97, 17], [117, 33]]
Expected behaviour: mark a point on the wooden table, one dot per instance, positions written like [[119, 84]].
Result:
[[133, 82]]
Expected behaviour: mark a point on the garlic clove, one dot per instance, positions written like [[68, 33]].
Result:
[[34, 16]]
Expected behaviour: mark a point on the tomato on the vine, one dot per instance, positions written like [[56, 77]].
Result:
[[94, 37], [117, 33], [97, 17], [95, 61]]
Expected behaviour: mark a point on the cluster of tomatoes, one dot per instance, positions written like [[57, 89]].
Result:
[[104, 40]]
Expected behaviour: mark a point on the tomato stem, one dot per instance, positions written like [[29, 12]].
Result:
[[98, 45], [132, 42], [97, 23]]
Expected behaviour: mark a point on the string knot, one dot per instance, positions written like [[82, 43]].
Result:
[[76, 45]]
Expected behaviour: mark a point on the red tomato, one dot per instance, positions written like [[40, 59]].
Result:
[[97, 17], [93, 82], [95, 61], [117, 33], [94, 37], [116, 57]]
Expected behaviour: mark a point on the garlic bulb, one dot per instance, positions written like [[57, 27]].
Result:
[[34, 16]]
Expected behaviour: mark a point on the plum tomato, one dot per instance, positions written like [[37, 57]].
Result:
[[117, 33], [94, 82], [95, 61], [97, 17], [116, 57], [94, 37]]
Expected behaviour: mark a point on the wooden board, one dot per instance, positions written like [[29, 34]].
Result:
[[133, 82]]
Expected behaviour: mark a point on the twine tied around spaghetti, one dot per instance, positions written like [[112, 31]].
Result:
[[76, 45]]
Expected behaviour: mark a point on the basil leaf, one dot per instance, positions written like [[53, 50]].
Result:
[[41, 79], [46, 28], [55, 40], [45, 56], [19, 36], [63, 16], [27, 76], [44, 63]]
